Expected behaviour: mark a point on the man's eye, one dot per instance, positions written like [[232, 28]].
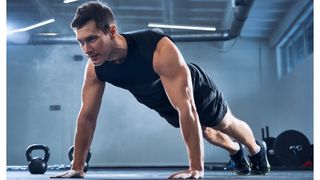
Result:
[[91, 39]]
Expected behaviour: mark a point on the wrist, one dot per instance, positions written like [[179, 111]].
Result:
[[77, 168], [199, 167]]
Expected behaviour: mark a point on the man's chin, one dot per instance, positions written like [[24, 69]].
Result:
[[96, 62]]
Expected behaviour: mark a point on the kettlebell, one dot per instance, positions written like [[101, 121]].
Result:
[[37, 165], [86, 165]]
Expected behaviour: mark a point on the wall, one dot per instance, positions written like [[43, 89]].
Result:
[[129, 133]]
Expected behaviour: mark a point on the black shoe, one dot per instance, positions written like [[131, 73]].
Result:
[[241, 165], [259, 162]]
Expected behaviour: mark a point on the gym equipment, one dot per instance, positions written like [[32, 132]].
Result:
[[270, 151], [292, 148], [86, 165], [37, 165]]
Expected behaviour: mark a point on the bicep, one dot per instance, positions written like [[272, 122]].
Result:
[[174, 74], [179, 89]]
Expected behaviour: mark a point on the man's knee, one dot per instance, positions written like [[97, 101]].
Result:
[[205, 131], [226, 123]]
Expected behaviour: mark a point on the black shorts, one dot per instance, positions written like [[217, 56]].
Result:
[[210, 102]]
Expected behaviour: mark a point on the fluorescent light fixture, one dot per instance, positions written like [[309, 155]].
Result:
[[47, 34], [69, 1], [155, 25], [32, 26]]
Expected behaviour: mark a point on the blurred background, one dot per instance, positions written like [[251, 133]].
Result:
[[266, 74]]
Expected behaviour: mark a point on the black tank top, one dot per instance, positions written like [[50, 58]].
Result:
[[136, 74]]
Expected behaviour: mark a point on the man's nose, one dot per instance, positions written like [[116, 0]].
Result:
[[87, 48]]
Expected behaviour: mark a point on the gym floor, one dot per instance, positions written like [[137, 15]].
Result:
[[163, 173]]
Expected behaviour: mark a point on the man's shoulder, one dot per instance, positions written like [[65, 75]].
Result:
[[144, 31]]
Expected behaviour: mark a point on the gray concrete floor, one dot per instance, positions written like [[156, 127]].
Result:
[[162, 173]]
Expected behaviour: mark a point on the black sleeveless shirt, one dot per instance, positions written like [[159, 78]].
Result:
[[136, 74]]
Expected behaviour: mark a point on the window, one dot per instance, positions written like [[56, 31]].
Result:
[[296, 46], [285, 57], [309, 35]]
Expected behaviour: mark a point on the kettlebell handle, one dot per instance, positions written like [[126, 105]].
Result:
[[70, 154], [36, 147]]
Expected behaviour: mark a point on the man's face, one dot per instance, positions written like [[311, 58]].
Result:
[[94, 42]]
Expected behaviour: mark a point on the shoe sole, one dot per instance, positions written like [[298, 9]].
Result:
[[242, 174]]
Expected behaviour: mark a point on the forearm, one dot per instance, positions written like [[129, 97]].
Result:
[[192, 134], [83, 138]]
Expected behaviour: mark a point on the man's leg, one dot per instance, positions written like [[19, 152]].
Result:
[[238, 130], [241, 132], [218, 138]]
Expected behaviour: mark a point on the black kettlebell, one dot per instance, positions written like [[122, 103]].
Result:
[[37, 165], [86, 165]]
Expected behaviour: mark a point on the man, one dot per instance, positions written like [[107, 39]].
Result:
[[150, 66]]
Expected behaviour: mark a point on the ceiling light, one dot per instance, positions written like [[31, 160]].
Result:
[[69, 1], [47, 34], [155, 25], [32, 26]]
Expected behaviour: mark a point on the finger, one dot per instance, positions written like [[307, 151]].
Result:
[[182, 175], [171, 176], [196, 175], [174, 174], [187, 176], [73, 174], [59, 175], [177, 176], [69, 174]]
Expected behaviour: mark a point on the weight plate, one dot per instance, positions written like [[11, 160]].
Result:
[[292, 148]]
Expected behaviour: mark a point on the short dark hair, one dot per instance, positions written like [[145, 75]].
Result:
[[93, 10]]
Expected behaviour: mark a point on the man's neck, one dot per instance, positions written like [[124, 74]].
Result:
[[119, 50]]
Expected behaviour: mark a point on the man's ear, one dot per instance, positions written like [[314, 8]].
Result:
[[113, 30]]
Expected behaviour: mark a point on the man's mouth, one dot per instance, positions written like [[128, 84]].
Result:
[[93, 57]]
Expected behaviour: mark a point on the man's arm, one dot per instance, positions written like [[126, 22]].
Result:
[[176, 79], [92, 92]]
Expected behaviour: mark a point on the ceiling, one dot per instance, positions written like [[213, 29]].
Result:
[[264, 18]]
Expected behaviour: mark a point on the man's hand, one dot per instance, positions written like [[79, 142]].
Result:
[[70, 174], [188, 174]]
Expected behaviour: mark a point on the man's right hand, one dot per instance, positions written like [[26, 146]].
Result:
[[70, 174], [188, 174]]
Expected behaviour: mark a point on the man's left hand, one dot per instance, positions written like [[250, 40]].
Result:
[[188, 174]]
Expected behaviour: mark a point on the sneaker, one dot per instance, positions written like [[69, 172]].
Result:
[[241, 165], [259, 162]]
